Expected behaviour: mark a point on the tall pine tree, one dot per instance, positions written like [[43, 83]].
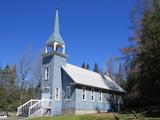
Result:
[[120, 77], [143, 58], [96, 68], [87, 67], [83, 65]]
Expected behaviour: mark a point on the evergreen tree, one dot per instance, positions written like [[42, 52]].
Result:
[[143, 58], [120, 77], [83, 65], [110, 67], [96, 68], [11, 85], [87, 67], [8, 98]]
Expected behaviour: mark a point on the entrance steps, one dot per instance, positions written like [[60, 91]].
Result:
[[35, 108]]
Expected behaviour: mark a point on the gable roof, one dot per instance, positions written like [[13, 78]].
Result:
[[89, 78]]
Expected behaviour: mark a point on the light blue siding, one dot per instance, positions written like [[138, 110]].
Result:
[[53, 61], [68, 106], [59, 78], [47, 62], [58, 61], [91, 105], [76, 103]]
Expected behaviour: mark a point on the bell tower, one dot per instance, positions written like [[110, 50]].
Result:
[[55, 41], [53, 58]]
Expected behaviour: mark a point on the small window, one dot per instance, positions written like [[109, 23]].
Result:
[[68, 93], [100, 96], [46, 73], [92, 95], [57, 93], [83, 94], [46, 89]]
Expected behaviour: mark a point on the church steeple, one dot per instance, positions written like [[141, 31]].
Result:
[[55, 41], [53, 59], [56, 23], [56, 36]]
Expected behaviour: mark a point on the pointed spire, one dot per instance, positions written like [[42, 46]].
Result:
[[56, 36], [56, 23]]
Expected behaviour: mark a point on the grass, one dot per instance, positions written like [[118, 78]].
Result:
[[100, 116]]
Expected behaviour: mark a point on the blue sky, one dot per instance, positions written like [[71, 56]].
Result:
[[93, 30]]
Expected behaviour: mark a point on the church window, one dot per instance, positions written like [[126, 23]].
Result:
[[100, 96], [92, 95], [57, 93], [68, 93], [46, 89], [46, 73], [83, 94]]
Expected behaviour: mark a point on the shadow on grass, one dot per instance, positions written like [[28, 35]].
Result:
[[153, 114], [149, 115]]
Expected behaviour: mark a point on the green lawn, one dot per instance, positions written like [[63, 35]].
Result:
[[100, 116]]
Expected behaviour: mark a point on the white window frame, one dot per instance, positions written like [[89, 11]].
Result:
[[46, 87], [68, 89], [84, 93], [57, 93], [92, 95], [46, 75], [100, 96]]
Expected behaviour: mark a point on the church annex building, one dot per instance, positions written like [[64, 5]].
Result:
[[68, 89]]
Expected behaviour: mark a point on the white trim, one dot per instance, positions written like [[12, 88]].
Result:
[[63, 49], [68, 89], [84, 93], [46, 49], [92, 95], [46, 87], [55, 44], [57, 93], [55, 47], [46, 74]]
